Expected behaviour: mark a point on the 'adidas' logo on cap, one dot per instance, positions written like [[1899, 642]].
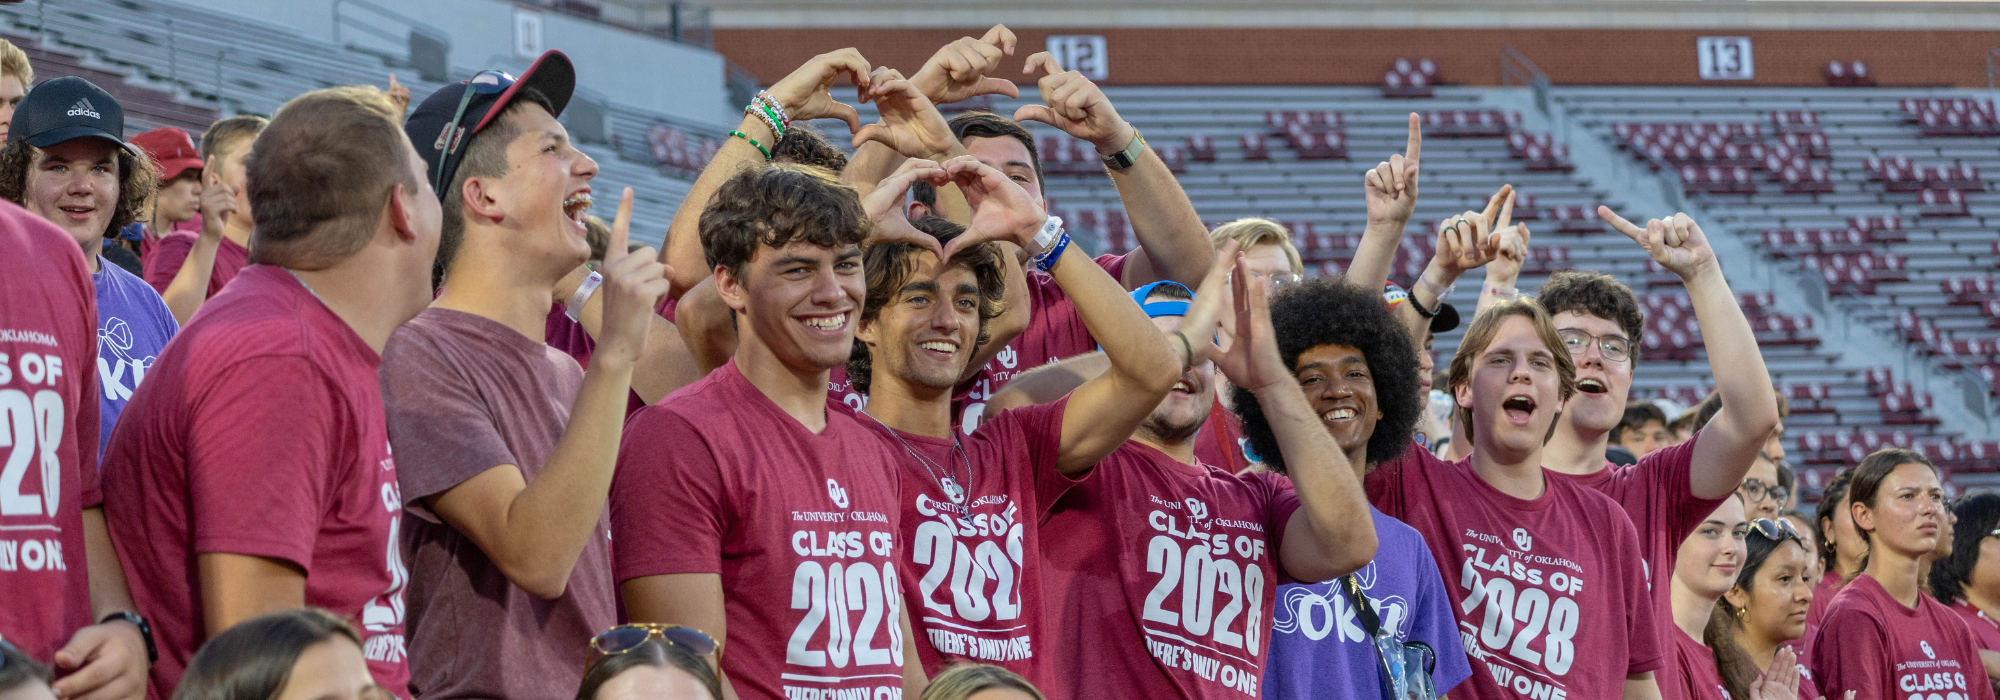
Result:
[[83, 108]]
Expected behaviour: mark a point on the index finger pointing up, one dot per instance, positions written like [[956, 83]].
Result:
[[621, 229], [1618, 222], [1493, 205], [1416, 146]]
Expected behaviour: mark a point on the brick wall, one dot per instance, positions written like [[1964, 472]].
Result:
[[1351, 57]]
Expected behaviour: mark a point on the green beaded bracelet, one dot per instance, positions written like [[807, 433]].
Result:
[[753, 142]]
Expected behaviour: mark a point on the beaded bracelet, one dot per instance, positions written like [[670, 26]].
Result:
[[760, 147], [772, 102], [767, 109]]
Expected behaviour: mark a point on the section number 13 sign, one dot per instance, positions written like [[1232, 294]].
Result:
[[1083, 53], [1725, 58]]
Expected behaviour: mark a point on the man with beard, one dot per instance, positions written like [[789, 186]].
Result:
[[1187, 552]]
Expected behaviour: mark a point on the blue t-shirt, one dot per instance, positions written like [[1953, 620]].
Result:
[[1318, 645], [133, 324]]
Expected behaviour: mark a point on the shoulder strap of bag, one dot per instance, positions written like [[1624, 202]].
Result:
[[1362, 608]]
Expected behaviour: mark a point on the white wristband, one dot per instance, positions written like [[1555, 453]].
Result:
[[1050, 230], [574, 309]]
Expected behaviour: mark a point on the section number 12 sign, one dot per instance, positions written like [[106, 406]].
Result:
[[1083, 53]]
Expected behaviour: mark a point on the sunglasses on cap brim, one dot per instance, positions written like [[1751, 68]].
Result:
[[491, 82]]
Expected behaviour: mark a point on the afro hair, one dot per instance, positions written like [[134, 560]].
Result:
[[1330, 311]]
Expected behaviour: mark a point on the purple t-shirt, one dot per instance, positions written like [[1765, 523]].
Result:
[[465, 394], [1319, 646], [133, 325]]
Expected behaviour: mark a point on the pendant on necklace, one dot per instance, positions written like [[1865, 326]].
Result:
[[952, 490]]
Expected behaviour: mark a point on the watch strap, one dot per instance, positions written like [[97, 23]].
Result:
[[1125, 157], [145, 631]]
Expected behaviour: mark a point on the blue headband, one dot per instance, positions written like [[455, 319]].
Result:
[[1171, 307]]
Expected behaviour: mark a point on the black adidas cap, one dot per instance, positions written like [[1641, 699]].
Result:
[[68, 108], [444, 123]]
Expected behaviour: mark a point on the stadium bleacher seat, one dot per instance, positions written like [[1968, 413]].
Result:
[[1407, 78], [1849, 74]]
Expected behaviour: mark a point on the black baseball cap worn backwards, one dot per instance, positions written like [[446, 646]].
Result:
[[65, 109], [444, 123]]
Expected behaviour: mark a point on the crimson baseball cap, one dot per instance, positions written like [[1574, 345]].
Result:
[[1447, 315], [68, 108], [444, 123], [171, 149]]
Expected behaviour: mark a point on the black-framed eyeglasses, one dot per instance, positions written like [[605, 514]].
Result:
[[1756, 490], [627, 637], [489, 82], [1615, 348], [1776, 530]]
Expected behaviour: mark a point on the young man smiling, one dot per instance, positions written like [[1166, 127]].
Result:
[[507, 446], [977, 503], [1165, 576]]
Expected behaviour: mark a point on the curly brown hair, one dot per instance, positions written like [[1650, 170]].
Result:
[[775, 205], [889, 267], [1595, 294], [138, 181]]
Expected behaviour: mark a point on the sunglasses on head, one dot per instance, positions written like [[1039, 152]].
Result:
[[624, 638], [490, 82], [1776, 530]]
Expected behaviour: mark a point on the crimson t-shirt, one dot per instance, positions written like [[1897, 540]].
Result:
[[260, 431], [1658, 494], [165, 257], [48, 421], [1984, 629], [1055, 331], [1220, 440], [716, 479], [1162, 578], [1871, 644], [1695, 676], [971, 524], [1829, 586], [1550, 593]]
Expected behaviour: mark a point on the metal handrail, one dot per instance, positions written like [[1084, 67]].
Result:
[[1516, 69]]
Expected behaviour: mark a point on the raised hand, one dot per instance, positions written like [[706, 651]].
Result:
[[1211, 307], [218, 201], [805, 94], [1676, 243], [634, 282], [1252, 360], [959, 71], [910, 124], [399, 95], [1075, 105], [1390, 188], [1470, 240], [1511, 253], [884, 205], [1001, 209]]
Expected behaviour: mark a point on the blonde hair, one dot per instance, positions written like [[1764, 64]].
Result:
[[14, 62], [1486, 326], [966, 680], [1255, 232]]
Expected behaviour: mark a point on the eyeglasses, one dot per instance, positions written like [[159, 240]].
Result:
[[1281, 280], [491, 82], [1756, 490], [1776, 530], [1615, 348], [624, 638]]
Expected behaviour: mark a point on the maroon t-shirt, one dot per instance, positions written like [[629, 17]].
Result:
[[716, 479], [1823, 593], [569, 337], [259, 431], [1984, 629], [1694, 674], [1658, 494], [1550, 593], [1162, 578], [971, 568], [164, 260], [1220, 441], [1055, 331], [1874, 646], [465, 394], [49, 424]]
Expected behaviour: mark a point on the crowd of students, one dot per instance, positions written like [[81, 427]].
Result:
[[413, 423]]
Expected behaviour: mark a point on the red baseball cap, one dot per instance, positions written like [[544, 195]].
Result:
[[171, 150]]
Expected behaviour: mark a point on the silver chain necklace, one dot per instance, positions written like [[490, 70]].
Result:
[[951, 487]]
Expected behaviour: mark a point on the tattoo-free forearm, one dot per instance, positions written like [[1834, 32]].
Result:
[[1173, 242], [189, 288], [1332, 533], [1144, 365], [682, 251], [1730, 443]]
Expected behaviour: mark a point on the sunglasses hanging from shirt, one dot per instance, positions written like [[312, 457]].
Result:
[[1405, 667]]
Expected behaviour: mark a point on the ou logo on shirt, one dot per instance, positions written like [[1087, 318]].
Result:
[[835, 492], [1008, 357], [1927, 649], [1196, 509], [1522, 540]]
